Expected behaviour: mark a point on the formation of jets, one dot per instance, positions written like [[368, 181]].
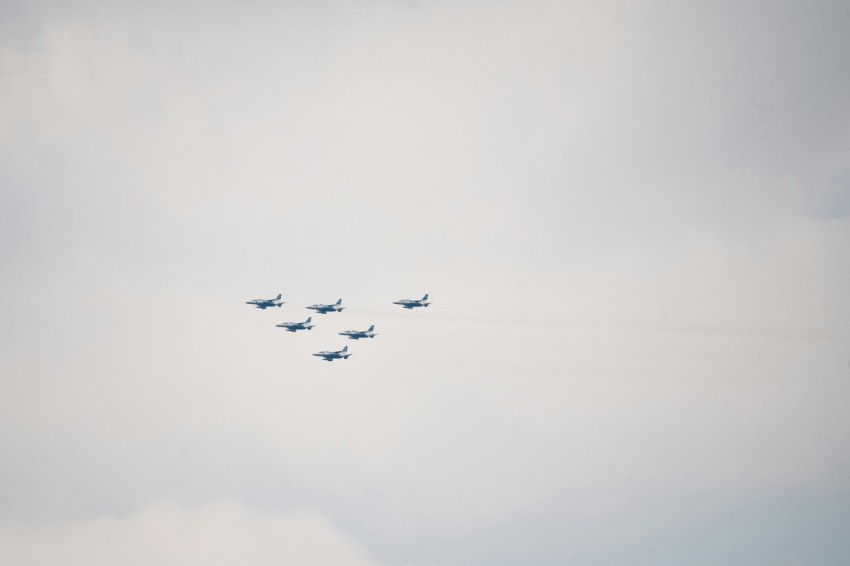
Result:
[[332, 355]]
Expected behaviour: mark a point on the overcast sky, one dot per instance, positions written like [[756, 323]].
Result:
[[633, 219]]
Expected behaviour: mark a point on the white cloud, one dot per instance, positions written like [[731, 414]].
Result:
[[637, 312], [166, 533]]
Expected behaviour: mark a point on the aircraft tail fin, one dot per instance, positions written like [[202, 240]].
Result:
[[309, 318], [345, 349], [425, 298], [371, 328], [279, 295], [339, 301]]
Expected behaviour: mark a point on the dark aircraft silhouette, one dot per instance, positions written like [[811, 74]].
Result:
[[296, 326], [324, 309], [413, 303], [358, 334], [334, 355], [266, 303]]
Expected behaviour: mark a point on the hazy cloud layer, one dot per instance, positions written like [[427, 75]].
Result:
[[166, 533], [632, 220]]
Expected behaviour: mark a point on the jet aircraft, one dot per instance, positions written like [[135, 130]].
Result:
[[331, 356], [358, 334], [323, 309], [266, 303], [413, 303], [296, 326]]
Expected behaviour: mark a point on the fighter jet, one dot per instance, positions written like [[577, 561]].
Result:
[[413, 303], [358, 334], [331, 356], [324, 309], [296, 326], [266, 303]]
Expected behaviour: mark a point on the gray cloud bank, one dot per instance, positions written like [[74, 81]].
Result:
[[632, 220], [166, 533]]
